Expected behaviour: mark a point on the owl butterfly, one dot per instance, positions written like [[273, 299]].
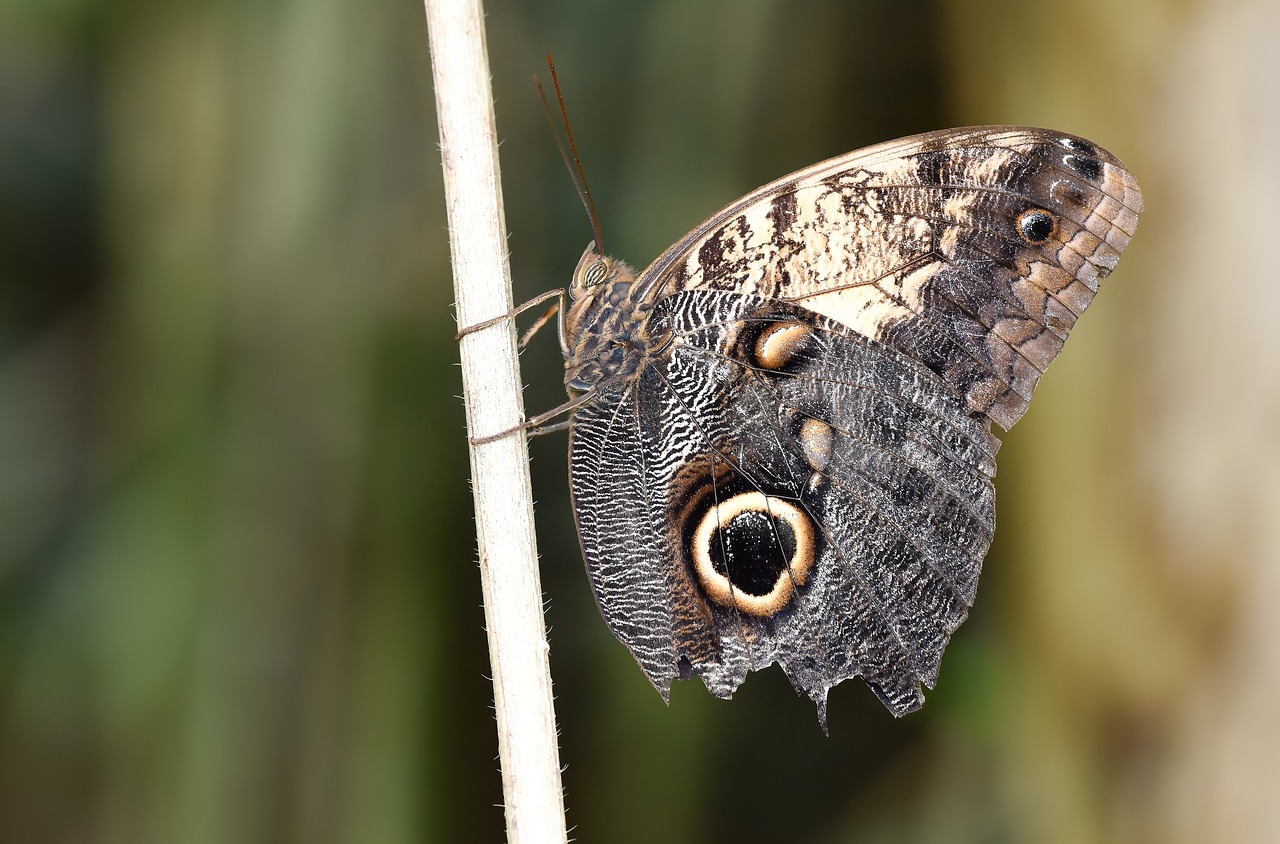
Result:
[[781, 449]]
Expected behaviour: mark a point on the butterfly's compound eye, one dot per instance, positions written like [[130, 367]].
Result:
[[595, 273]]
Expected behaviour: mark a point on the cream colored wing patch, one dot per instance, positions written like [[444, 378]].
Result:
[[972, 250]]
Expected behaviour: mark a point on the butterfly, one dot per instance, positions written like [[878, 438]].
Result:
[[780, 441]]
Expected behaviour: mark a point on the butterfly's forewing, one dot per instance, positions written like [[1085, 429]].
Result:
[[971, 250]]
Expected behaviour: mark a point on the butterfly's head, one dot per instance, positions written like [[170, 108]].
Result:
[[595, 270]]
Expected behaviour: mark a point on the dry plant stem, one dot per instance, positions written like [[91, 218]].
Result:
[[491, 384]]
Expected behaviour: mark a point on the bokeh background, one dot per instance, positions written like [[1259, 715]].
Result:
[[238, 592]]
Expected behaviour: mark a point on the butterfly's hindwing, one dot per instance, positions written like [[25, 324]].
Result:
[[889, 472], [618, 508]]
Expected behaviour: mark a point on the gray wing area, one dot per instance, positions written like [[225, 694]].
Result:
[[867, 445], [619, 526], [972, 251]]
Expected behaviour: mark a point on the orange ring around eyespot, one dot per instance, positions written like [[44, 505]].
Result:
[[1025, 219], [719, 588]]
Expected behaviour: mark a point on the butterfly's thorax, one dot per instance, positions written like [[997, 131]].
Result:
[[606, 335]]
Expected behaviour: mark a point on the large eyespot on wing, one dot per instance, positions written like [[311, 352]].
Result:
[[827, 503], [973, 251]]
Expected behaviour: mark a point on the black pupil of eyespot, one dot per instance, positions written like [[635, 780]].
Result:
[[752, 550], [1037, 226]]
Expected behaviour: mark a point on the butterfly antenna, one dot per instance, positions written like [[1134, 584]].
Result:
[[579, 178]]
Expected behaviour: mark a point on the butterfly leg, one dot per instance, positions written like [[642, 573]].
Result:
[[558, 295], [542, 320], [536, 426], [549, 429]]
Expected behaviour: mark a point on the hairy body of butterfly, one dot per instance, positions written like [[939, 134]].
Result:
[[784, 453]]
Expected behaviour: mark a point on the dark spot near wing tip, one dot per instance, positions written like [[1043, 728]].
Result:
[[1036, 225], [1079, 146], [1090, 168]]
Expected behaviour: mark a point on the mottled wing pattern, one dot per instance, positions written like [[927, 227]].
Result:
[[972, 251], [864, 503], [787, 455]]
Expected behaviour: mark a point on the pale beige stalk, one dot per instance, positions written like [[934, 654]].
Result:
[[491, 386]]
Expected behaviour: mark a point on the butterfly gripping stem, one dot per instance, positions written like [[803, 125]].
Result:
[[559, 306], [536, 426]]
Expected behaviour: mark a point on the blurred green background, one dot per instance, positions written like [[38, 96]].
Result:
[[238, 592]]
